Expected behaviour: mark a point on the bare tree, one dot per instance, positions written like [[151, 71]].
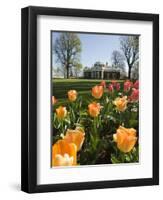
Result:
[[135, 71], [117, 59], [67, 48], [130, 48]]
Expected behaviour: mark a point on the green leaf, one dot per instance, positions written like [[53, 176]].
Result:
[[133, 122], [114, 160], [127, 157]]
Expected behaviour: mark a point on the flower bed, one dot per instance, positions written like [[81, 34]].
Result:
[[103, 129]]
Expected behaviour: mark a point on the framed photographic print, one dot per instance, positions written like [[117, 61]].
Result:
[[90, 99]]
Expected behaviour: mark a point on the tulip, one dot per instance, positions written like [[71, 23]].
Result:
[[121, 103], [117, 86], [54, 100], [61, 112], [127, 85], [64, 153], [97, 91], [110, 88], [94, 109], [113, 82], [75, 136], [72, 95], [136, 84], [103, 83], [60, 160], [134, 95], [125, 139]]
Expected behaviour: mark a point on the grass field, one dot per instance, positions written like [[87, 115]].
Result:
[[82, 86]]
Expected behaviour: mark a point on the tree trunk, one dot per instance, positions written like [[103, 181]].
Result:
[[67, 69], [129, 72]]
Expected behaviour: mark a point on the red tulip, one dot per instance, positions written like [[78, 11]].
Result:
[[110, 87], [127, 85], [134, 95], [117, 86], [136, 84]]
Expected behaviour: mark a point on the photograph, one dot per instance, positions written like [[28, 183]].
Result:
[[94, 98], [90, 99]]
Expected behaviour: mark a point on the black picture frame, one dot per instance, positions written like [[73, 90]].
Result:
[[29, 99]]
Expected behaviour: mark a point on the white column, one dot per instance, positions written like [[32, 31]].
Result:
[[102, 74]]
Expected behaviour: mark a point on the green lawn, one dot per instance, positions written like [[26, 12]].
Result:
[[82, 86]]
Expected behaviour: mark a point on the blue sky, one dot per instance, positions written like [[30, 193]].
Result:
[[95, 47]]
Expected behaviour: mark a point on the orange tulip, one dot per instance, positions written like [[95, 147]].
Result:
[[97, 91], [75, 136], [61, 112], [94, 109], [64, 153], [72, 95], [103, 83], [125, 138], [54, 100], [121, 103]]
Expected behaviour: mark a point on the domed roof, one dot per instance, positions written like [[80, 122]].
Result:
[[98, 63]]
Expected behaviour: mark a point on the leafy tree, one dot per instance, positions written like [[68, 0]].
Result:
[[67, 48], [130, 48]]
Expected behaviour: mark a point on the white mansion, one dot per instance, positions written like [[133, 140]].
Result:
[[101, 71]]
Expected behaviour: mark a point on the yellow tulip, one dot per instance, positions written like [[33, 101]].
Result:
[[61, 112], [75, 136], [125, 138], [97, 91], [94, 109], [72, 95], [65, 160], [64, 153], [121, 103]]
